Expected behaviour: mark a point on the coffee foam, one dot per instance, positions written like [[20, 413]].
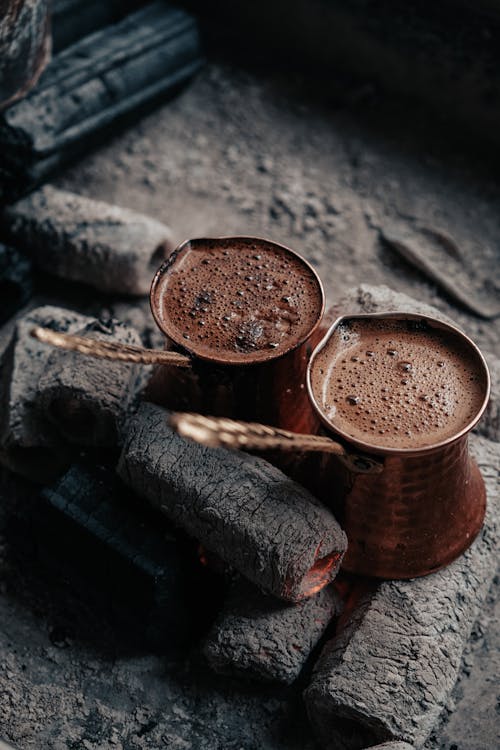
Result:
[[397, 384], [239, 298]]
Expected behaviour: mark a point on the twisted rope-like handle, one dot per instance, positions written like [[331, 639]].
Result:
[[109, 349], [219, 432]]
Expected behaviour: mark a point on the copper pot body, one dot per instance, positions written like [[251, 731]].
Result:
[[25, 45], [422, 511], [272, 391]]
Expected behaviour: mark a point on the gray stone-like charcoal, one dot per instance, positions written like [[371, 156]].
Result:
[[260, 637], [88, 399], [91, 86], [16, 283], [266, 526], [110, 248], [389, 673], [27, 444]]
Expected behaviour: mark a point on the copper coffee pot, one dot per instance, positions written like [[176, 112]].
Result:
[[426, 506]]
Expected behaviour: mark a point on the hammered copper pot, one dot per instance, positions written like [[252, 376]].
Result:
[[272, 390], [24, 46], [426, 506]]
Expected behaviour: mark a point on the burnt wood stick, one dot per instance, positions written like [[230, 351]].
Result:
[[28, 444], [389, 673], [93, 84], [111, 248], [86, 399], [16, 281], [266, 526], [260, 637], [136, 567]]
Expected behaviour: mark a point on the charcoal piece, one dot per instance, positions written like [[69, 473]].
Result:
[[28, 445], [130, 564], [436, 255], [389, 673], [87, 399], [91, 86], [16, 281], [108, 247], [260, 637], [266, 526]]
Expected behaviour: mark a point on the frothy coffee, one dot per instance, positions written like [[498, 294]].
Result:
[[397, 383], [238, 299]]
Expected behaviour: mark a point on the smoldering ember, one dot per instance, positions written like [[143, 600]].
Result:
[[173, 572]]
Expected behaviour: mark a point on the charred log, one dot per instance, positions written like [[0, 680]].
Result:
[[28, 446], [390, 671], [267, 527], [86, 399], [260, 637], [108, 247], [134, 568], [93, 84]]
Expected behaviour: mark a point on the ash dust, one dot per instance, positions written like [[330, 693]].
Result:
[[240, 154]]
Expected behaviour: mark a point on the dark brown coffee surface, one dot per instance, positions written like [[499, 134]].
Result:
[[395, 384], [239, 299]]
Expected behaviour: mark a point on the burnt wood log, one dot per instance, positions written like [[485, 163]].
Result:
[[266, 526], [135, 568], [28, 445], [111, 248], [16, 281], [92, 85], [389, 673], [24, 46], [87, 399], [260, 637]]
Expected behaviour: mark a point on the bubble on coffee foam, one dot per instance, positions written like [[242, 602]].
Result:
[[238, 301], [432, 402]]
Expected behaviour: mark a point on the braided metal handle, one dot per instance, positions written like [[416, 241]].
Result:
[[109, 349], [219, 432]]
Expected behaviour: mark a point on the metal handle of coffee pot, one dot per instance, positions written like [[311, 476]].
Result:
[[110, 349], [219, 432]]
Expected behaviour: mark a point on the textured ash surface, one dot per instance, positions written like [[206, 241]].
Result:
[[242, 154]]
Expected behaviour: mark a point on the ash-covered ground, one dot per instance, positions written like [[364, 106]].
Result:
[[239, 153]]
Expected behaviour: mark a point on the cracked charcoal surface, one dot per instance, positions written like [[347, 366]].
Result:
[[110, 248], [259, 637], [389, 673], [23, 433], [88, 399], [247, 511]]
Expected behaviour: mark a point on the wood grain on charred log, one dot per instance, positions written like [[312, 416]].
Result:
[[108, 247], [389, 673], [267, 527], [92, 85], [260, 637]]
